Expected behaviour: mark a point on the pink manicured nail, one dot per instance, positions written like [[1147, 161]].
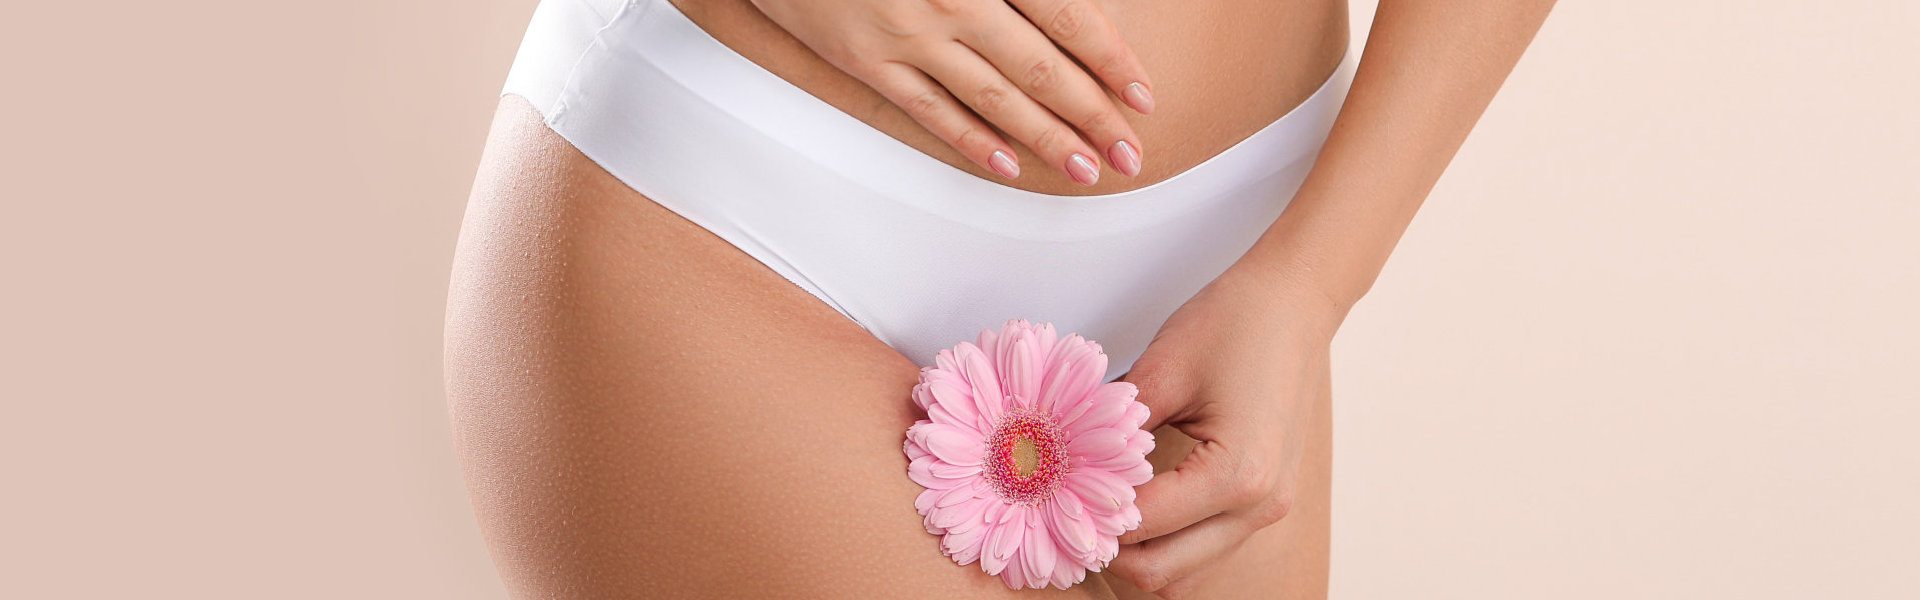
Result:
[[1004, 165], [1082, 170], [1124, 158], [1139, 98]]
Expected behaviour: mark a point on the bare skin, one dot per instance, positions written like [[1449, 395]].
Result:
[[644, 410], [1222, 69]]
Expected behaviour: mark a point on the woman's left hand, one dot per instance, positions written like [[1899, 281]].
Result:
[[1234, 368]]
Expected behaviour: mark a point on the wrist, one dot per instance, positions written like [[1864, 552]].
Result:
[[1293, 303]]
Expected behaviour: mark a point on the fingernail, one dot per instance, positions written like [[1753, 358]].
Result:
[[1124, 158], [1082, 170], [1004, 164], [1139, 98]]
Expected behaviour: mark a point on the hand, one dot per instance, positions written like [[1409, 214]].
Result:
[[1235, 368], [921, 55]]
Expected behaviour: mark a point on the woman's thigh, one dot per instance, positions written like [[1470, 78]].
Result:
[[644, 410]]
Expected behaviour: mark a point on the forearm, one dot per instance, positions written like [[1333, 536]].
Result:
[[1428, 72]]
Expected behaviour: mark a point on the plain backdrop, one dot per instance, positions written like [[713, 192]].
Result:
[[1653, 335]]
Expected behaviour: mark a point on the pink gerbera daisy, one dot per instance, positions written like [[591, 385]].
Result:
[[1028, 459]]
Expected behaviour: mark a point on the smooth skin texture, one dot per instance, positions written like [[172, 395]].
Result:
[[1000, 67], [1233, 367], [642, 410], [611, 381], [1222, 69]]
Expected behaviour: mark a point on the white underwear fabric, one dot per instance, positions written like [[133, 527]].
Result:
[[920, 254]]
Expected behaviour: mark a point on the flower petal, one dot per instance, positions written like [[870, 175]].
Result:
[[1015, 574], [948, 516], [923, 471], [1136, 415], [985, 386], [1072, 381], [946, 360], [957, 402], [1072, 534], [963, 544], [1037, 552], [1098, 444], [955, 445], [1135, 474], [924, 502], [1067, 572], [1002, 539], [1109, 403], [1022, 370], [1103, 492], [1107, 548]]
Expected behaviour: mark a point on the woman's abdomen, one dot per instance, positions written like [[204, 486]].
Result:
[[1221, 69]]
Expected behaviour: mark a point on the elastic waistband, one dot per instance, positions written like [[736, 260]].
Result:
[[656, 32]]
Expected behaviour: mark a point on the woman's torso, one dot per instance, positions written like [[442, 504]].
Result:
[[1221, 70]]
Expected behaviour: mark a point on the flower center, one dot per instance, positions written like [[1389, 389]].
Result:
[[1026, 457]]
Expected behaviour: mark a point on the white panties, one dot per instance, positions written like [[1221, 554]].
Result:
[[920, 254]]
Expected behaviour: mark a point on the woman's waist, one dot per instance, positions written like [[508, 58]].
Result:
[[1222, 70]]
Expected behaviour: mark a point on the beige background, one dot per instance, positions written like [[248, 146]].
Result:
[[1652, 337]]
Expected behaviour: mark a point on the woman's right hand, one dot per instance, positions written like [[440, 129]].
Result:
[[999, 62]]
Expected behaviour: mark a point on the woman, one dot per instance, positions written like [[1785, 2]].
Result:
[[708, 249]]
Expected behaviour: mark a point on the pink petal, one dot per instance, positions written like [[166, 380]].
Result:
[[1068, 503], [1131, 513], [1097, 444], [1023, 371], [1073, 534], [1136, 415], [973, 522], [1067, 572], [1037, 553], [1109, 403], [1015, 574], [1072, 381], [940, 414], [1138, 473], [948, 516], [924, 502], [1045, 338], [949, 376], [1125, 460], [1140, 440], [1108, 547], [1103, 492], [921, 397], [957, 402], [954, 497], [1109, 524], [1002, 540], [945, 360], [963, 544], [927, 471], [953, 444], [985, 387], [989, 341]]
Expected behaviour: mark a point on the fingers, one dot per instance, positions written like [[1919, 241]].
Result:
[[935, 109], [1164, 389], [1194, 491], [978, 85], [1033, 63], [1080, 28], [1162, 563]]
